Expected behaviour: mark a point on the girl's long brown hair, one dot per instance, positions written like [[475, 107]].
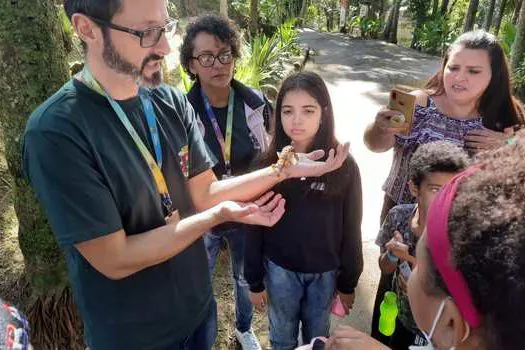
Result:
[[497, 106]]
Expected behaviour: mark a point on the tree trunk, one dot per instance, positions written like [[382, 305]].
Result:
[[518, 48], [499, 16], [419, 24], [304, 8], [471, 15], [382, 10], [254, 17], [488, 17], [191, 8], [224, 8], [33, 67], [390, 32], [343, 14], [517, 10], [393, 32], [183, 8], [389, 21], [444, 7]]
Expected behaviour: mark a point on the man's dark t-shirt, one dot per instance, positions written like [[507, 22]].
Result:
[[92, 181]]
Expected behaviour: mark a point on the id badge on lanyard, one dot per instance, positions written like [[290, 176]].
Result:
[[153, 165], [226, 144]]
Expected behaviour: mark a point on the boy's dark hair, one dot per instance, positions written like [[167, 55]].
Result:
[[487, 235], [218, 26], [439, 156]]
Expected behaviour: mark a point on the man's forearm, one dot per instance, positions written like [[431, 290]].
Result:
[[156, 246], [244, 188]]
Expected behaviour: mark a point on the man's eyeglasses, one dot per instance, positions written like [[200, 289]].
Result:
[[149, 37], [208, 60]]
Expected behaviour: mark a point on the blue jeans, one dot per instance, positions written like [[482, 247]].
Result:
[[295, 297], [235, 238], [204, 336]]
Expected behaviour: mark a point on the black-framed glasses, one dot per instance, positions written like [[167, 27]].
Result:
[[208, 60], [149, 37]]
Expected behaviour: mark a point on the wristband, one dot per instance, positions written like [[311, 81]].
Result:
[[392, 257]]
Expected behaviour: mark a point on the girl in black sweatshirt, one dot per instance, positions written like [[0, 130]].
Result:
[[314, 253]]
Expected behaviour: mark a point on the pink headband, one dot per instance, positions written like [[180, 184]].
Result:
[[440, 249]]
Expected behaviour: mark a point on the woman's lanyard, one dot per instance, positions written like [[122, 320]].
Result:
[[226, 145], [154, 166]]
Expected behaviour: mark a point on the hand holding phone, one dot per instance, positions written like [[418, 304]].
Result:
[[404, 103]]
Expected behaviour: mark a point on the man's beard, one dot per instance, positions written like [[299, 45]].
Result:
[[119, 64]]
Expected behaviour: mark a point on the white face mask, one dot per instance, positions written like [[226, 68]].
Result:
[[429, 345]]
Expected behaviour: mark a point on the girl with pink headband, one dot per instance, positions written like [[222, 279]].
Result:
[[467, 291]]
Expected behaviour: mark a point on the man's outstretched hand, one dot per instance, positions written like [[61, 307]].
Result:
[[264, 211]]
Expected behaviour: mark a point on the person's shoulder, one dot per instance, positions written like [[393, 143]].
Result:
[[401, 210], [170, 93], [56, 110], [251, 96]]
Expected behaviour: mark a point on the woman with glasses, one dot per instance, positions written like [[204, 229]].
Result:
[[234, 120]]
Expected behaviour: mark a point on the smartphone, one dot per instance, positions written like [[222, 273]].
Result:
[[402, 101], [337, 307], [405, 270]]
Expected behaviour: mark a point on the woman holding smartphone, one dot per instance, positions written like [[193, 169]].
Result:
[[468, 102]]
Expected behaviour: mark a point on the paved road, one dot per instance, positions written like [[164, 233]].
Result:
[[359, 74]]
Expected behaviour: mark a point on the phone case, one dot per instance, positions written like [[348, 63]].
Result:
[[337, 307], [403, 102], [405, 270]]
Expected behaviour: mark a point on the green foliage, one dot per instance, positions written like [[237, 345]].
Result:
[[369, 27], [419, 9], [314, 17], [457, 14], [507, 35], [289, 40], [241, 7], [185, 80], [66, 24], [435, 34], [261, 64], [172, 10], [518, 78]]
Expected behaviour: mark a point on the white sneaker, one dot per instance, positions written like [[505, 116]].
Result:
[[248, 340]]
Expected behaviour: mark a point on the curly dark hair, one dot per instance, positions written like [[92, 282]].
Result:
[[487, 234], [220, 27], [439, 156]]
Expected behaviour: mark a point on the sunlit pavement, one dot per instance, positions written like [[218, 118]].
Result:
[[359, 74]]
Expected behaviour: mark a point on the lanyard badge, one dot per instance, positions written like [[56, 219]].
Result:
[[153, 165], [226, 144]]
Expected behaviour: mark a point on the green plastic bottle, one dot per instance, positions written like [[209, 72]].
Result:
[[388, 309]]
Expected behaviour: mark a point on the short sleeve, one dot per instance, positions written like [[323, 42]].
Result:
[[386, 231], [200, 158], [75, 197]]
